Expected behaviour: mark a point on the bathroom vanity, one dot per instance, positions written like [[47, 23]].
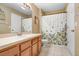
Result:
[[24, 45]]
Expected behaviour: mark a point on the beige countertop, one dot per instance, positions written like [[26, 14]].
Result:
[[8, 41]]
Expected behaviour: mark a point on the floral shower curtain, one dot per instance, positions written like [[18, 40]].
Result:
[[27, 25], [53, 27]]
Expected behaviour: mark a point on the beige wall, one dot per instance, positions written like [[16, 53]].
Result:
[[35, 12], [4, 28], [55, 12]]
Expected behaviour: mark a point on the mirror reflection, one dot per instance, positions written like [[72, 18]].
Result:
[[15, 18]]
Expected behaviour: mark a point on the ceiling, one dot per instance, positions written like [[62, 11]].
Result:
[[17, 6], [44, 6]]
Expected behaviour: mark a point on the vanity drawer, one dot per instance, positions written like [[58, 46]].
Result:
[[25, 45], [26, 52], [13, 51]]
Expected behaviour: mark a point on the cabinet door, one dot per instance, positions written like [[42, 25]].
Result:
[[25, 45], [34, 49], [34, 40], [14, 51], [26, 52]]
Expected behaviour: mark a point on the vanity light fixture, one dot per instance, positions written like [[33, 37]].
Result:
[[24, 5]]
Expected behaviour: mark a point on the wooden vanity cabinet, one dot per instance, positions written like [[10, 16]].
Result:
[[30, 47]]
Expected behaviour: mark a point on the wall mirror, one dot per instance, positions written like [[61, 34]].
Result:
[[14, 18]]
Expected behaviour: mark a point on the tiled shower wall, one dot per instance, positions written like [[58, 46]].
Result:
[[54, 27]]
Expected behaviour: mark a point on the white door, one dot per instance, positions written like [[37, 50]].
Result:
[[15, 23], [71, 28]]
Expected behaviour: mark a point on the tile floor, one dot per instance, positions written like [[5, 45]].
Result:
[[54, 50]]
